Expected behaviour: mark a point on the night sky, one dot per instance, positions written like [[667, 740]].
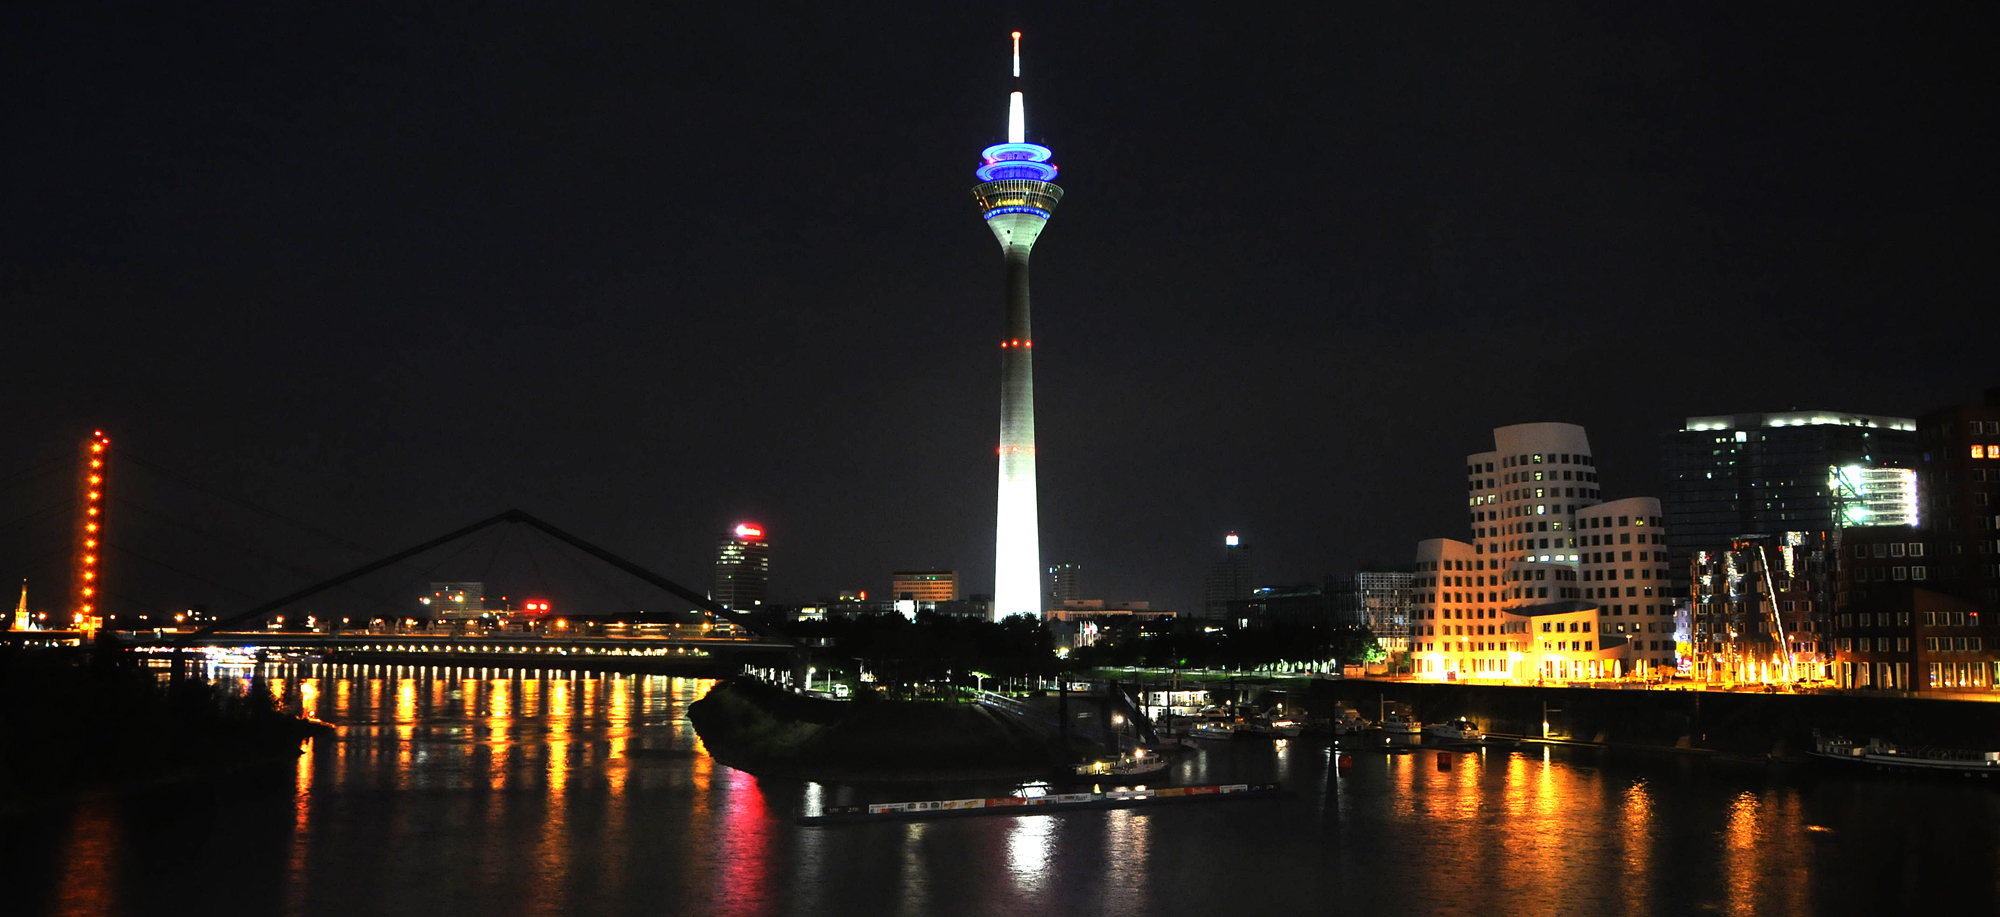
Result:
[[389, 268]]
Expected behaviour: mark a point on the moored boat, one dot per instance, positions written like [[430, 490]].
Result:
[[1400, 724], [1274, 727], [1347, 721], [1136, 764], [1886, 756], [1213, 729], [1458, 730]]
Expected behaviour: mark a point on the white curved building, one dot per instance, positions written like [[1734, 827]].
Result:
[[1532, 597]]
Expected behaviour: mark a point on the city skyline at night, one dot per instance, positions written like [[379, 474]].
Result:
[[394, 311]]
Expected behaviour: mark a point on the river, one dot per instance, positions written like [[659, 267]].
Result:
[[483, 793]]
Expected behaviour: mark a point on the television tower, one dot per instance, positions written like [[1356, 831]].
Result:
[[1016, 197]]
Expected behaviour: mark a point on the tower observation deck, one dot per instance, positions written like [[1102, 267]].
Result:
[[1016, 196]]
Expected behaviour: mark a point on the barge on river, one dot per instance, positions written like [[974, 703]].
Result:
[[1884, 756], [1136, 798]]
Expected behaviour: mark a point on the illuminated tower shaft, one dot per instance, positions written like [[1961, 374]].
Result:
[[91, 481], [1016, 198]]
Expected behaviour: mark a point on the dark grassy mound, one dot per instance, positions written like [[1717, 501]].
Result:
[[757, 728], [74, 720]]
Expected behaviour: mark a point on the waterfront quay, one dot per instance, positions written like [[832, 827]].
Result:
[[1747, 723]]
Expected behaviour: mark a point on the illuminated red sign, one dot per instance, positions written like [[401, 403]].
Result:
[[749, 530]]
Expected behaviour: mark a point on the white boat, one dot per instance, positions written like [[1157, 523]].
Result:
[[1458, 730], [1400, 724], [1136, 764], [1886, 756], [1276, 728], [1349, 721], [1213, 729]]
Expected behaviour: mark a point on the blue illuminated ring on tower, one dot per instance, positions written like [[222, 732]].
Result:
[[1017, 168], [1037, 211], [1010, 152]]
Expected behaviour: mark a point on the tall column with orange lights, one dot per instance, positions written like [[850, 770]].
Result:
[[88, 589]]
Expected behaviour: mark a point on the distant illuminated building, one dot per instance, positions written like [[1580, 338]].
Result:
[[1919, 605], [1065, 584], [742, 568], [1229, 579], [22, 619], [1730, 475], [1016, 197], [1762, 609], [924, 585], [449, 601], [1381, 601]]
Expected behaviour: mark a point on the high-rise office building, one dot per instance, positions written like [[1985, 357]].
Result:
[[1731, 475], [1065, 584], [1380, 600], [1229, 579], [924, 585], [742, 568], [1016, 196], [1761, 609], [1919, 603], [1556, 583]]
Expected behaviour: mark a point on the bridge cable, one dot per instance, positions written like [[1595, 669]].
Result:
[[253, 552], [260, 510], [598, 577], [34, 471], [37, 514], [190, 574], [541, 579]]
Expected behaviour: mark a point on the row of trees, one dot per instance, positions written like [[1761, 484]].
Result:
[[904, 656], [934, 649], [1231, 649]]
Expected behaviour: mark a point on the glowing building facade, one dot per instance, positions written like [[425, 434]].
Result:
[[1556, 584], [1229, 579], [1016, 196], [924, 585], [1730, 475], [742, 568]]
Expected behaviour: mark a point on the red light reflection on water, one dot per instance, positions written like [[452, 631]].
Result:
[[743, 848]]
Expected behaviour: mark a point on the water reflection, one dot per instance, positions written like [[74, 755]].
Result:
[[500, 792], [1029, 845], [88, 871]]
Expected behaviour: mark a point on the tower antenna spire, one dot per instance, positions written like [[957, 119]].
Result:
[[1017, 110]]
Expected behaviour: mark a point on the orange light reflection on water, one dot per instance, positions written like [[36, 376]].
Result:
[[88, 886]]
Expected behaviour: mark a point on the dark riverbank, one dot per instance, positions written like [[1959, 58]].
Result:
[[79, 721], [754, 727], [1757, 724]]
